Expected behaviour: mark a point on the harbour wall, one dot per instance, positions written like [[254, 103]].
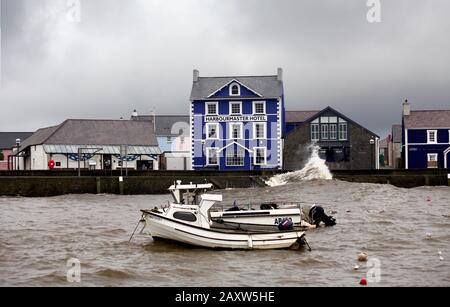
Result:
[[53, 183]]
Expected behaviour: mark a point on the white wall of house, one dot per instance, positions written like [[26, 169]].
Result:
[[133, 164], [38, 158], [178, 161]]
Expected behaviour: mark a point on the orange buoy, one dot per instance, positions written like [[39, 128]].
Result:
[[362, 257]]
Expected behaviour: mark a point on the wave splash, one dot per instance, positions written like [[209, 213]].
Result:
[[314, 169]]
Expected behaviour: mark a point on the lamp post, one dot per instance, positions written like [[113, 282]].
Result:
[[17, 154]]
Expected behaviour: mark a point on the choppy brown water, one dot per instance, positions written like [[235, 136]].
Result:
[[400, 227]]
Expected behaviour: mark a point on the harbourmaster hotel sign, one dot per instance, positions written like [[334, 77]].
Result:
[[237, 122], [234, 118]]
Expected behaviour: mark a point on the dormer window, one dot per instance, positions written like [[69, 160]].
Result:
[[235, 89]]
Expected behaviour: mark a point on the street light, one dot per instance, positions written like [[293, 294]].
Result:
[[17, 154]]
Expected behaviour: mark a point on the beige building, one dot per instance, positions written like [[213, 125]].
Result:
[[93, 144]]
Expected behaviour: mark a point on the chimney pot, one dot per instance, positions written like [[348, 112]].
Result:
[[280, 74], [406, 108], [196, 75]]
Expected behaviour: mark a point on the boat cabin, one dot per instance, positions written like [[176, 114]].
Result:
[[188, 194]]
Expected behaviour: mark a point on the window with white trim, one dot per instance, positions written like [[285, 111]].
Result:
[[212, 108], [212, 156], [235, 157], [324, 132], [260, 156], [259, 107], [342, 131], [333, 131], [432, 136], [315, 134], [236, 130], [212, 131], [236, 108], [259, 131], [432, 160], [235, 89]]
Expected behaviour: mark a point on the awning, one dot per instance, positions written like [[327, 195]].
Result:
[[105, 149]]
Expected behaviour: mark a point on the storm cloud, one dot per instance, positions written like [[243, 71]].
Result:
[[139, 54]]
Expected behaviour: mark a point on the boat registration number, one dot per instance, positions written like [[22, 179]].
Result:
[[278, 220]]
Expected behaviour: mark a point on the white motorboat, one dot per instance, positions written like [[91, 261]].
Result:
[[267, 216], [191, 224]]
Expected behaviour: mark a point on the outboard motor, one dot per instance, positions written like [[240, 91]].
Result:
[[317, 214], [286, 224]]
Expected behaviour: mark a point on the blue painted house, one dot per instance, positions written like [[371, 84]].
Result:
[[237, 123], [426, 138]]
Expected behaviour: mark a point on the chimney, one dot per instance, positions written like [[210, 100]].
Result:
[[406, 108], [196, 75], [280, 74]]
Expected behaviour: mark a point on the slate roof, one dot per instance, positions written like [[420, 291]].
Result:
[[299, 116], [95, 132], [397, 133], [428, 119], [304, 115], [8, 139], [165, 123], [266, 86]]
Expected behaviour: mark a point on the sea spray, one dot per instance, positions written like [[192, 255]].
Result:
[[315, 169]]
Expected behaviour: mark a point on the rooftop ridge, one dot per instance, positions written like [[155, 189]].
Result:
[[220, 77]]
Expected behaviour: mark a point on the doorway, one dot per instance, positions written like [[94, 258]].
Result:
[[107, 163]]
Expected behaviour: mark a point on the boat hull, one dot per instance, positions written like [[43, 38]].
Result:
[[161, 227]]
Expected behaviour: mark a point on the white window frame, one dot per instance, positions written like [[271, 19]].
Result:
[[230, 89], [208, 156], [332, 133], [346, 131], [264, 125], [243, 158], [264, 106], [255, 155], [231, 107], [435, 137], [317, 126], [324, 136], [208, 127], [324, 119], [429, 159], [432, 155], [241, 132], [216, 103]]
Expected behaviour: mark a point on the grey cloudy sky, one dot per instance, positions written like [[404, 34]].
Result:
[[140, 54]]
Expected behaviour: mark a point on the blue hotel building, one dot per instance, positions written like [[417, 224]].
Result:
[[426, 138], [237, 123]]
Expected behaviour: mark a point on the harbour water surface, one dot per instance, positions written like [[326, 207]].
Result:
[[406, 230]]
